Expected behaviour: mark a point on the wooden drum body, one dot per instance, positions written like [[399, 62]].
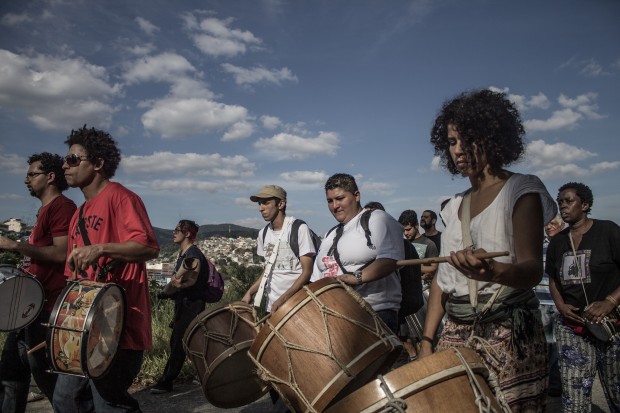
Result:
[[217, 343], [447, 381], [322, 344], [85, 328]]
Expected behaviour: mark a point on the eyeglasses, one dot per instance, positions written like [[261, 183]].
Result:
[[31, 175], [176, 230], [75, 160]]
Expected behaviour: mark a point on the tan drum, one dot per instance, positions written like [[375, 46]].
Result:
[[322, 344], [85, 328], [21, 298], [217, 343], [453, 380]]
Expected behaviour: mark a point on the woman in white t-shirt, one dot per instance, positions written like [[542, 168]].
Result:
[[476, 135], [345, 251]]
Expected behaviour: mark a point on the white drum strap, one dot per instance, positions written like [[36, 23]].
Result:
[[394, 404], [258, 298]]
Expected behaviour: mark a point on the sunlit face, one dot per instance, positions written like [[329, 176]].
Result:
[[82, 174], [410, 232], [572, 209], [270, 208], [460, 156], [178, 235], [426, 221], [343, 205], [552, 228], [36, 179]]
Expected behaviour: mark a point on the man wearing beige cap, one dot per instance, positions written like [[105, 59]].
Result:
[[287, 245]]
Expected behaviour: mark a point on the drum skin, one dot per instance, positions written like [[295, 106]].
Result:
[[85, 328], [437, 383], [322, 344], [21, 298], [217, 343]]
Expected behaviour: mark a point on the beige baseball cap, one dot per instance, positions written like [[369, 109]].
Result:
[[269, 191]]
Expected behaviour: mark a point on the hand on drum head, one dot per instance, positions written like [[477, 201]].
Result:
[[83, 257], [471, 266], [597, 310]]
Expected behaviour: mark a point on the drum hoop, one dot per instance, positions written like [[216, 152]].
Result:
[[20, 272]]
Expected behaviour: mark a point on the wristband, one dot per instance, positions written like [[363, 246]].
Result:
[[358, 277], [612, 300], [427, 338]]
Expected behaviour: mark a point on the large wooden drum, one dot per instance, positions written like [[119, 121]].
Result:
[[322, 344], [453, 381], [217, 343]]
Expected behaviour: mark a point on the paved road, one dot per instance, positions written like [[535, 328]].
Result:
[[188, 398]]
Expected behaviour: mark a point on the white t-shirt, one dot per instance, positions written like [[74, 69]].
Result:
[[491, 229], [287, 268], [387, 237]]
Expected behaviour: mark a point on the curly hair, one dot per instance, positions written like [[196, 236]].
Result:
[[583, 191], [189, 226], [50, 162], [431, 213], [408, 217], [98, 145], [343, 181], [487, 122]]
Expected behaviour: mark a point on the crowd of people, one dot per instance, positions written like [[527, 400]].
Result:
[[489, 305]]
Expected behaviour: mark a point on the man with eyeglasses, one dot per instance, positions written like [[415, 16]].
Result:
[[44, 258], [111, 238]]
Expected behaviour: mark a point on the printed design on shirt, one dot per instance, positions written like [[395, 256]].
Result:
[[420, 249], [331, 266], [575, 269], [92, 223], [285, 260]]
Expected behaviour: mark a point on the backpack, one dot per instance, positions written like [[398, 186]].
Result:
[[293, 240], [215, 288]]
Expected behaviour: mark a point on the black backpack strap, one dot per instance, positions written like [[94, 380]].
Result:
[[265, 233], [293, 240], [364, 223]]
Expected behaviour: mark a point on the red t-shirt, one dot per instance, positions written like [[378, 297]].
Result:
[[52, 221], [117, 215]]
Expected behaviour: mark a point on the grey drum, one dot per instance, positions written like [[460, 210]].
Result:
[[21, 298]]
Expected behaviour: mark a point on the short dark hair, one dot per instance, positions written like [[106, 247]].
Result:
[[408, 217], [374, 205], [485, 120], [343, 181], [50, 162], [432, 214], [99, 145], [189, 226], [583, 191]]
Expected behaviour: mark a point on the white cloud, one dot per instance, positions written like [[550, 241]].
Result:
[[560, 119], [604, 166], [56, 92], [523, 103], [436, 163], [215, 37], [376, 188], [146, 26], [189, 164], [270, 122], [185, 185], [539, 153], [287, 146], [305, 177], [11, 197], [259, 74], [165, 67], [12, 19], [239, 130], [566, 171], [13, 164], [586, 67], [176, 118], [141, 50]]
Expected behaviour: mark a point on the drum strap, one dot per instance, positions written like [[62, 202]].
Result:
[[105, 269]]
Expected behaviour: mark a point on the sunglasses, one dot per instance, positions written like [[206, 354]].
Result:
[[75, 160]]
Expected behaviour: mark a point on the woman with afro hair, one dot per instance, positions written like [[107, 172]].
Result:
[[490, 304]]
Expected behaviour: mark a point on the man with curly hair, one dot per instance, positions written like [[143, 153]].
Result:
[[490, 304], [114, 242], [44, 258]]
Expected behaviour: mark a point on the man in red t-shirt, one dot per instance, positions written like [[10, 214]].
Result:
[[117, 237], [44, 258]]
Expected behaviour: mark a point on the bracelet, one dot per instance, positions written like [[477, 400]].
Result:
[[612, 300], [358, 277], [427, 338]]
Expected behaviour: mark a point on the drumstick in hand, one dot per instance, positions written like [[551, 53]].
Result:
[[433, 260], [75, 270], [37, 347]]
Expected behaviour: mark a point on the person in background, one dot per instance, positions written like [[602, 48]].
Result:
[[44, 257], [424, 246], [121, 240], [428, 219], [491, 305], [345, 253], [583, 264], [188, 288]]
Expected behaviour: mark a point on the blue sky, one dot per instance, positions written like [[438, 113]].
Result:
[[210, 100]]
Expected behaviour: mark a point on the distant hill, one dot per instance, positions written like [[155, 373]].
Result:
[[164, 236]]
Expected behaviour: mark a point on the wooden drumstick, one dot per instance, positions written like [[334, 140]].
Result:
[[75, 270], [433, 260], [37, 347]]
